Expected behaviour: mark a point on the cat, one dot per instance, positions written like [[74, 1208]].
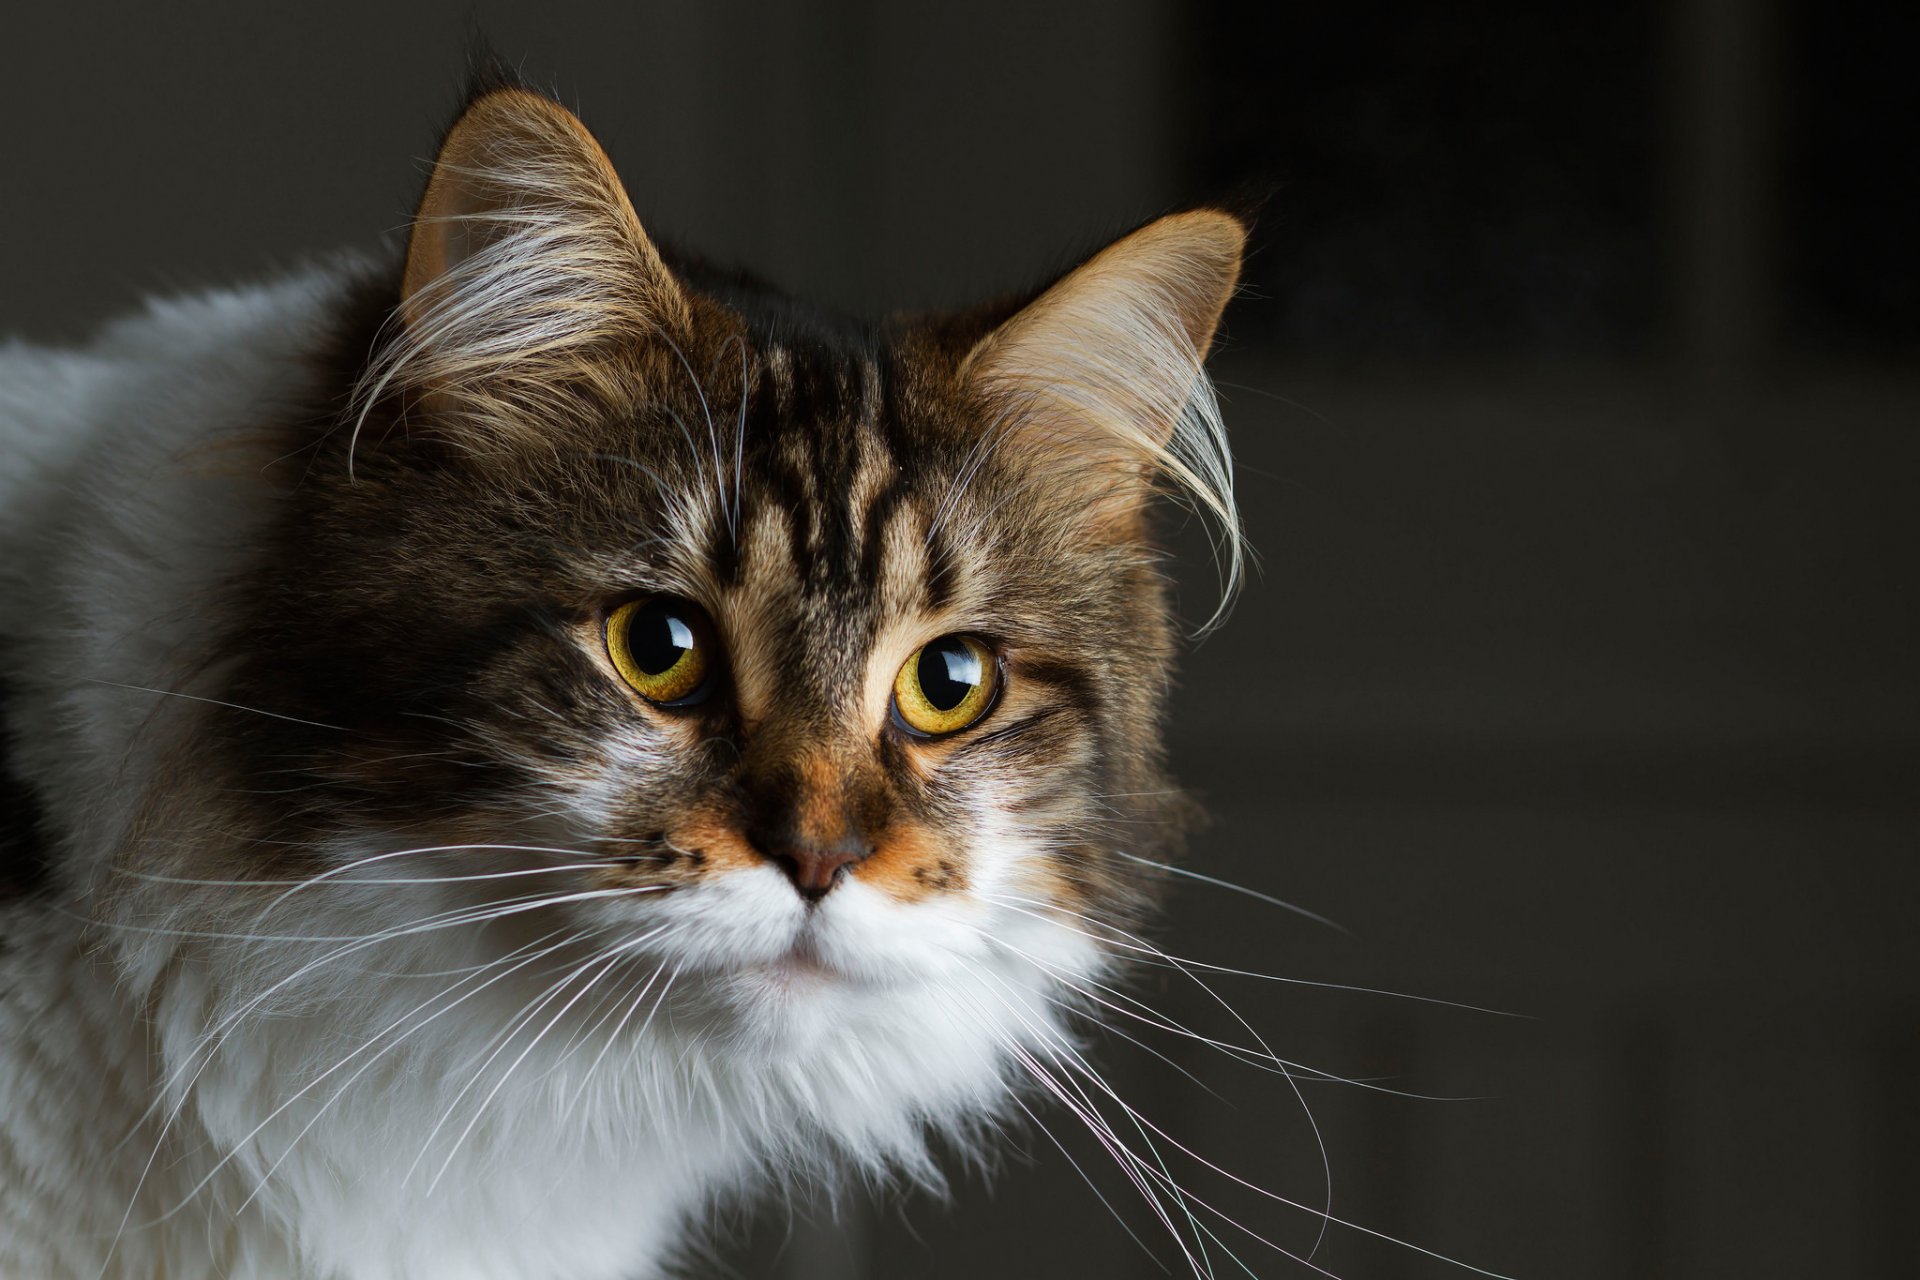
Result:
[[507, 744]]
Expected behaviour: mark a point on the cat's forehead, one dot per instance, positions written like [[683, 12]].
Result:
[[821, 473]]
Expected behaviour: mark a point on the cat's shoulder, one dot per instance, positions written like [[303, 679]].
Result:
[[171, 367], [212, 334]]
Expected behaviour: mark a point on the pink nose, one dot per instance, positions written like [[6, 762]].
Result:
[[814, 870]]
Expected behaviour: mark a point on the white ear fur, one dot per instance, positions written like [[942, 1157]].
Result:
[[525, 256], [1105, 367], [520, 167]]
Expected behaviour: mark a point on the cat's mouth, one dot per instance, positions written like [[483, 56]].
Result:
[[802, 964], [805, 967]]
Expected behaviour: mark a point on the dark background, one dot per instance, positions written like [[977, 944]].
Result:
[[1575, 399]]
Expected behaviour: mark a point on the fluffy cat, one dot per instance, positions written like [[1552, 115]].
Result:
[[505, 745]]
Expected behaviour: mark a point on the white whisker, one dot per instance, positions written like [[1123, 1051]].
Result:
[[217, 702], [1218, 883]]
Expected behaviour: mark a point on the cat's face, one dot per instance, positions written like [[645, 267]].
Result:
[[679, 651], [789, 657]]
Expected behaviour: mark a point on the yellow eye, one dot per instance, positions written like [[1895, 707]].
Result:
[[665, 649], [945, 686]]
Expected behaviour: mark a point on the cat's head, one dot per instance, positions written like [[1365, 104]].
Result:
[[794, 655]]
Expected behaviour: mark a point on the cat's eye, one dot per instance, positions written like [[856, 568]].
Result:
[[665, 649], [945, 686]]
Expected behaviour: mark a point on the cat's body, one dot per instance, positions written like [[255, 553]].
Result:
[[357, 920]]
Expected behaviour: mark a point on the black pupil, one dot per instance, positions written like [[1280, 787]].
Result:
[[658, 637], [949, 671]]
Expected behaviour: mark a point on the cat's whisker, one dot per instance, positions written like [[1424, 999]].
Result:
[[739, 448], [611, 962], [605, 1005], [348, 868], [156, 878], [628, 1008], [180, 1082], [1325, 1216], [1153, 1172], [1076, 1102], [1081, 1011], [445, 920], [491, 1049], [1034, 1118], [217, 702], [1294, 1204], [659, 1002], [1187, 874], [442, 994], [1103, 1134], [1074, 1062], [183, 1079], [1257, 1059], [396, 1042], [610, 1002], [1154, 955], [203, 1054], [977, 456], [505, 1039], [1055, 1045], [660, 486], [1135, 1169], [706, 409], [1261, 1059], [1293, 1084]]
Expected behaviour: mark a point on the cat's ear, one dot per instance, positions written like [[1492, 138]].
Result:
[[1103, 370], [524, 257]]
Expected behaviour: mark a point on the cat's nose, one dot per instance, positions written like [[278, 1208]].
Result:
[[814, 868]]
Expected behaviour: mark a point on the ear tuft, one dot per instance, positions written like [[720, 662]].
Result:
[[517, 165], [1146, 308], [1102, 374], [525, 260]]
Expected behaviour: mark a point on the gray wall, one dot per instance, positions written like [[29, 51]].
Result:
[[863, 154]]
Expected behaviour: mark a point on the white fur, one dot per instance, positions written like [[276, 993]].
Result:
[[189, 1090]]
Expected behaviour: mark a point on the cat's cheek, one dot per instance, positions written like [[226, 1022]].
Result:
[[1036, 909], [1064, 948], [1008, 865]]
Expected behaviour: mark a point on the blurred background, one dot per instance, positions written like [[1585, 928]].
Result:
[[1575, 397]]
